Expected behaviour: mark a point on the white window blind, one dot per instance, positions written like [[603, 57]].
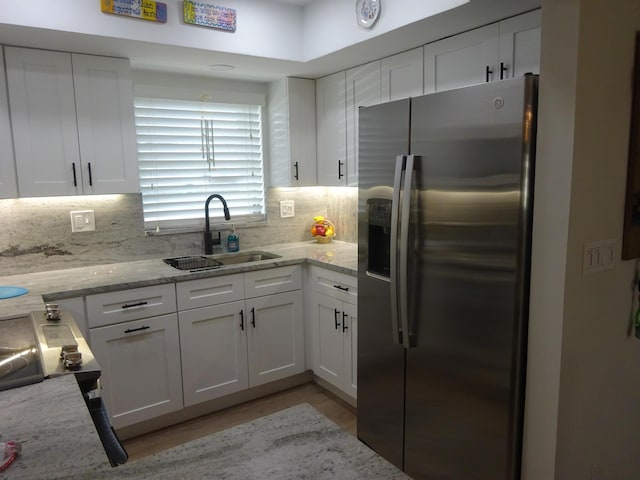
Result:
[[188, 150]]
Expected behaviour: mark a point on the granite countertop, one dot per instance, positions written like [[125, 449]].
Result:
[[50, 418], [53, 424], [76, 282]]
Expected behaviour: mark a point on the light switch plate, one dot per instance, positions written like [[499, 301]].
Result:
[[287, 209], [598, 256], [83, 221]]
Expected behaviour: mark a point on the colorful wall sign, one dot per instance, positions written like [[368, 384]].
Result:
[[149, 10], [206, 15]]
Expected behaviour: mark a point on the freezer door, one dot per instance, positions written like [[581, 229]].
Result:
[[384, 135], [470, 252]]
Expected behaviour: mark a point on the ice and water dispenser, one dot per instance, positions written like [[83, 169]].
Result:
[[379, 221]]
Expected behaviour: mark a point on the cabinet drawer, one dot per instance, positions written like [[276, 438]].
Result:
[[338, 285], [121, 306], [209, 291], [272, 280]]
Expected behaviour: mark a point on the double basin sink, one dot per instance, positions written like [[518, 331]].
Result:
[[194, 263]]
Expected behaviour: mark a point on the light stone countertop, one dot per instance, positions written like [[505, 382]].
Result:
[[76, 282], [50, 417]]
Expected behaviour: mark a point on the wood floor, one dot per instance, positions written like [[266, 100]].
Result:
[[331, 406]]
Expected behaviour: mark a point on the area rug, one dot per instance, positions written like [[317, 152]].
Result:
[[296, 443]]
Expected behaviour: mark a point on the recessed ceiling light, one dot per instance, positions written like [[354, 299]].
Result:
[[220, 67]]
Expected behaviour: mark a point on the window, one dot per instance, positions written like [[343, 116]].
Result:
[[188, 150]]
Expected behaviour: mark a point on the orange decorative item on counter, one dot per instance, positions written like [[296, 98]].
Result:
[[322, 229]]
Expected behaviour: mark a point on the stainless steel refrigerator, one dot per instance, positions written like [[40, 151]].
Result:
[[445, 209]]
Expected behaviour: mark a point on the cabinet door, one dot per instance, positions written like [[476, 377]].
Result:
[[401, 75], [332, 129], [214, 351], [8, 183], [363, 90], [520, 45], [43, 117], [275, 337], [140, 362], [329, 359], [106, 126], [292, 132], [462, 60], [350, 338]]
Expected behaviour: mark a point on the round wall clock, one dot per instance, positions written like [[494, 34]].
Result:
[[367, 12]]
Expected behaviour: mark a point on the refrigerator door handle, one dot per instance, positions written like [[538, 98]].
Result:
[[393, 260], [400, 211], [403, 282]]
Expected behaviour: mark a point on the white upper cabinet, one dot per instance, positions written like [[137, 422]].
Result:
[[73, 123], [401, 75], [43, 116], [462, 60], [332, 129], [363, 90], [8, 185], [505, 49], [106, 124], [520, 45], [292, 128]]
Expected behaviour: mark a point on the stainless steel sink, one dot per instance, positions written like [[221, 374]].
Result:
[[195, 263], [236, 258]]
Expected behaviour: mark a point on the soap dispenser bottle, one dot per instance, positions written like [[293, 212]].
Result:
[[233, 243]]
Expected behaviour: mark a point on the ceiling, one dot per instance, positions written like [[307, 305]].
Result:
[[149, 56]]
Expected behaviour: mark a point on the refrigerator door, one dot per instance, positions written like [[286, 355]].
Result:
[[470, 247], [384, 135]]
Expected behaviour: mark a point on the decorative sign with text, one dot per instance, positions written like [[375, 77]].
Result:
[[149, 10], [207, 15]]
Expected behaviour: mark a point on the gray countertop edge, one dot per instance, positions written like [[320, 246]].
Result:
[[50, 286]]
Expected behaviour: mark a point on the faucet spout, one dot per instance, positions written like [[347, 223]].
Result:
[[208, 239]]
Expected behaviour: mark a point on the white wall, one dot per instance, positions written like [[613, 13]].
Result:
[[330, 25], [265, 29], [583, 385]]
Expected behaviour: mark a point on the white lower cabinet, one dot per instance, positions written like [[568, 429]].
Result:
[[140, 362], [214, 353], [334, 329], [230, 333], [275, 337], [228, 346]]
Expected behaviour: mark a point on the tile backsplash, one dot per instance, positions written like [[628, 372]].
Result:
[[36, 232]]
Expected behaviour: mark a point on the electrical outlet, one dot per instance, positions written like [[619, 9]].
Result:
[[83, 221], [287, 209]]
